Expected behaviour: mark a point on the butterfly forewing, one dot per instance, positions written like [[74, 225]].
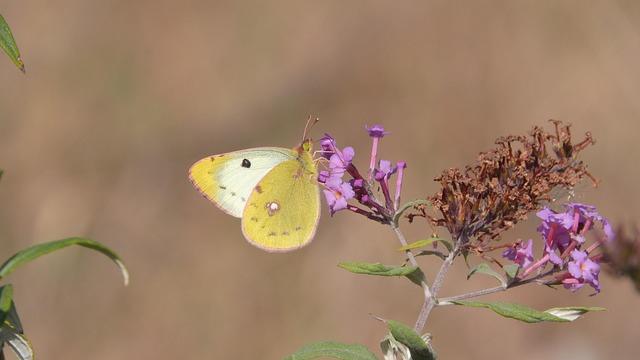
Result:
[[228, 179], [282, 212]]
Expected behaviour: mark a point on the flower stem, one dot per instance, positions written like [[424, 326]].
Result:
[[430, 302], [412, 259], [534, 266]]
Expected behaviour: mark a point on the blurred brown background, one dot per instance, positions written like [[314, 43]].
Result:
[[120, 97]]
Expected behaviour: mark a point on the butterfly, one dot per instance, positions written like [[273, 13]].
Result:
[[274, 190]]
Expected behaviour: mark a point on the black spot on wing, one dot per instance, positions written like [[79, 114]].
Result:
[[246, 163]]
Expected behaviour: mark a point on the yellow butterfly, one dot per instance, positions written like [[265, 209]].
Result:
[[274, 190]]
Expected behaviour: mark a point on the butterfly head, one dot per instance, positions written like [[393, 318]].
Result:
[[307, 145]]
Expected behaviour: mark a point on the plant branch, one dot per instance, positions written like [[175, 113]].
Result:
[[430, 302], [477, 293], [412, 259]]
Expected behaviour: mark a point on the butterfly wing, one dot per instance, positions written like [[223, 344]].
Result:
[[228, 179], [282, 212]]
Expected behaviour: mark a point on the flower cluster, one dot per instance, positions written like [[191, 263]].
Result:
[[565, 250], [338, 189], [507, 183]]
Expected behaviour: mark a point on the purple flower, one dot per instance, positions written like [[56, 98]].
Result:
[[384, 171], [340, 161], [519, 254], [555, 228], [323, 176], [328, 146], [583, 214], [553, 255], [577, 219], [337, 193], [401, 165], [582, 269], [376, 131], [338, 189]]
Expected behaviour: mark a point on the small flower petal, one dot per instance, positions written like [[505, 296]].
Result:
[[376, 131]]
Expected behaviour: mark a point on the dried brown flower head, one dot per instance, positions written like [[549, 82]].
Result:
[[506, 183], [623, 254]]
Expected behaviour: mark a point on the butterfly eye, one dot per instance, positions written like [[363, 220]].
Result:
[[246, 163]]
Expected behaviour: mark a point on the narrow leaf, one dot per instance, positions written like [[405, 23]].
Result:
[[13, 320], [416, 277], [529, 315], [377, 269], [18, 343], [38, 250], [419, 348], [573, 312], [8, 44], [6, 299], [432, 252], [333, 350], [426, 242], [484, 268]]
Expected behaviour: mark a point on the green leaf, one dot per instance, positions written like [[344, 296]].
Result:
[[529, 315], [377, 269], [514, 311], [511, 271], [13, 320], [38, 250], [419, 348], [6, 300], [425, 242], [8, 44], [406, 335], [572, 313], [18, 342], [484, 268], [333, 350], [432, 252], [416, 277]]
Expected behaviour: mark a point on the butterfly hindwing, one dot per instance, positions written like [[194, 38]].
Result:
[[229, 179], [282, 212]]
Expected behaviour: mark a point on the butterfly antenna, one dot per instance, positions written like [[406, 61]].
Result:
[[310, 122]]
